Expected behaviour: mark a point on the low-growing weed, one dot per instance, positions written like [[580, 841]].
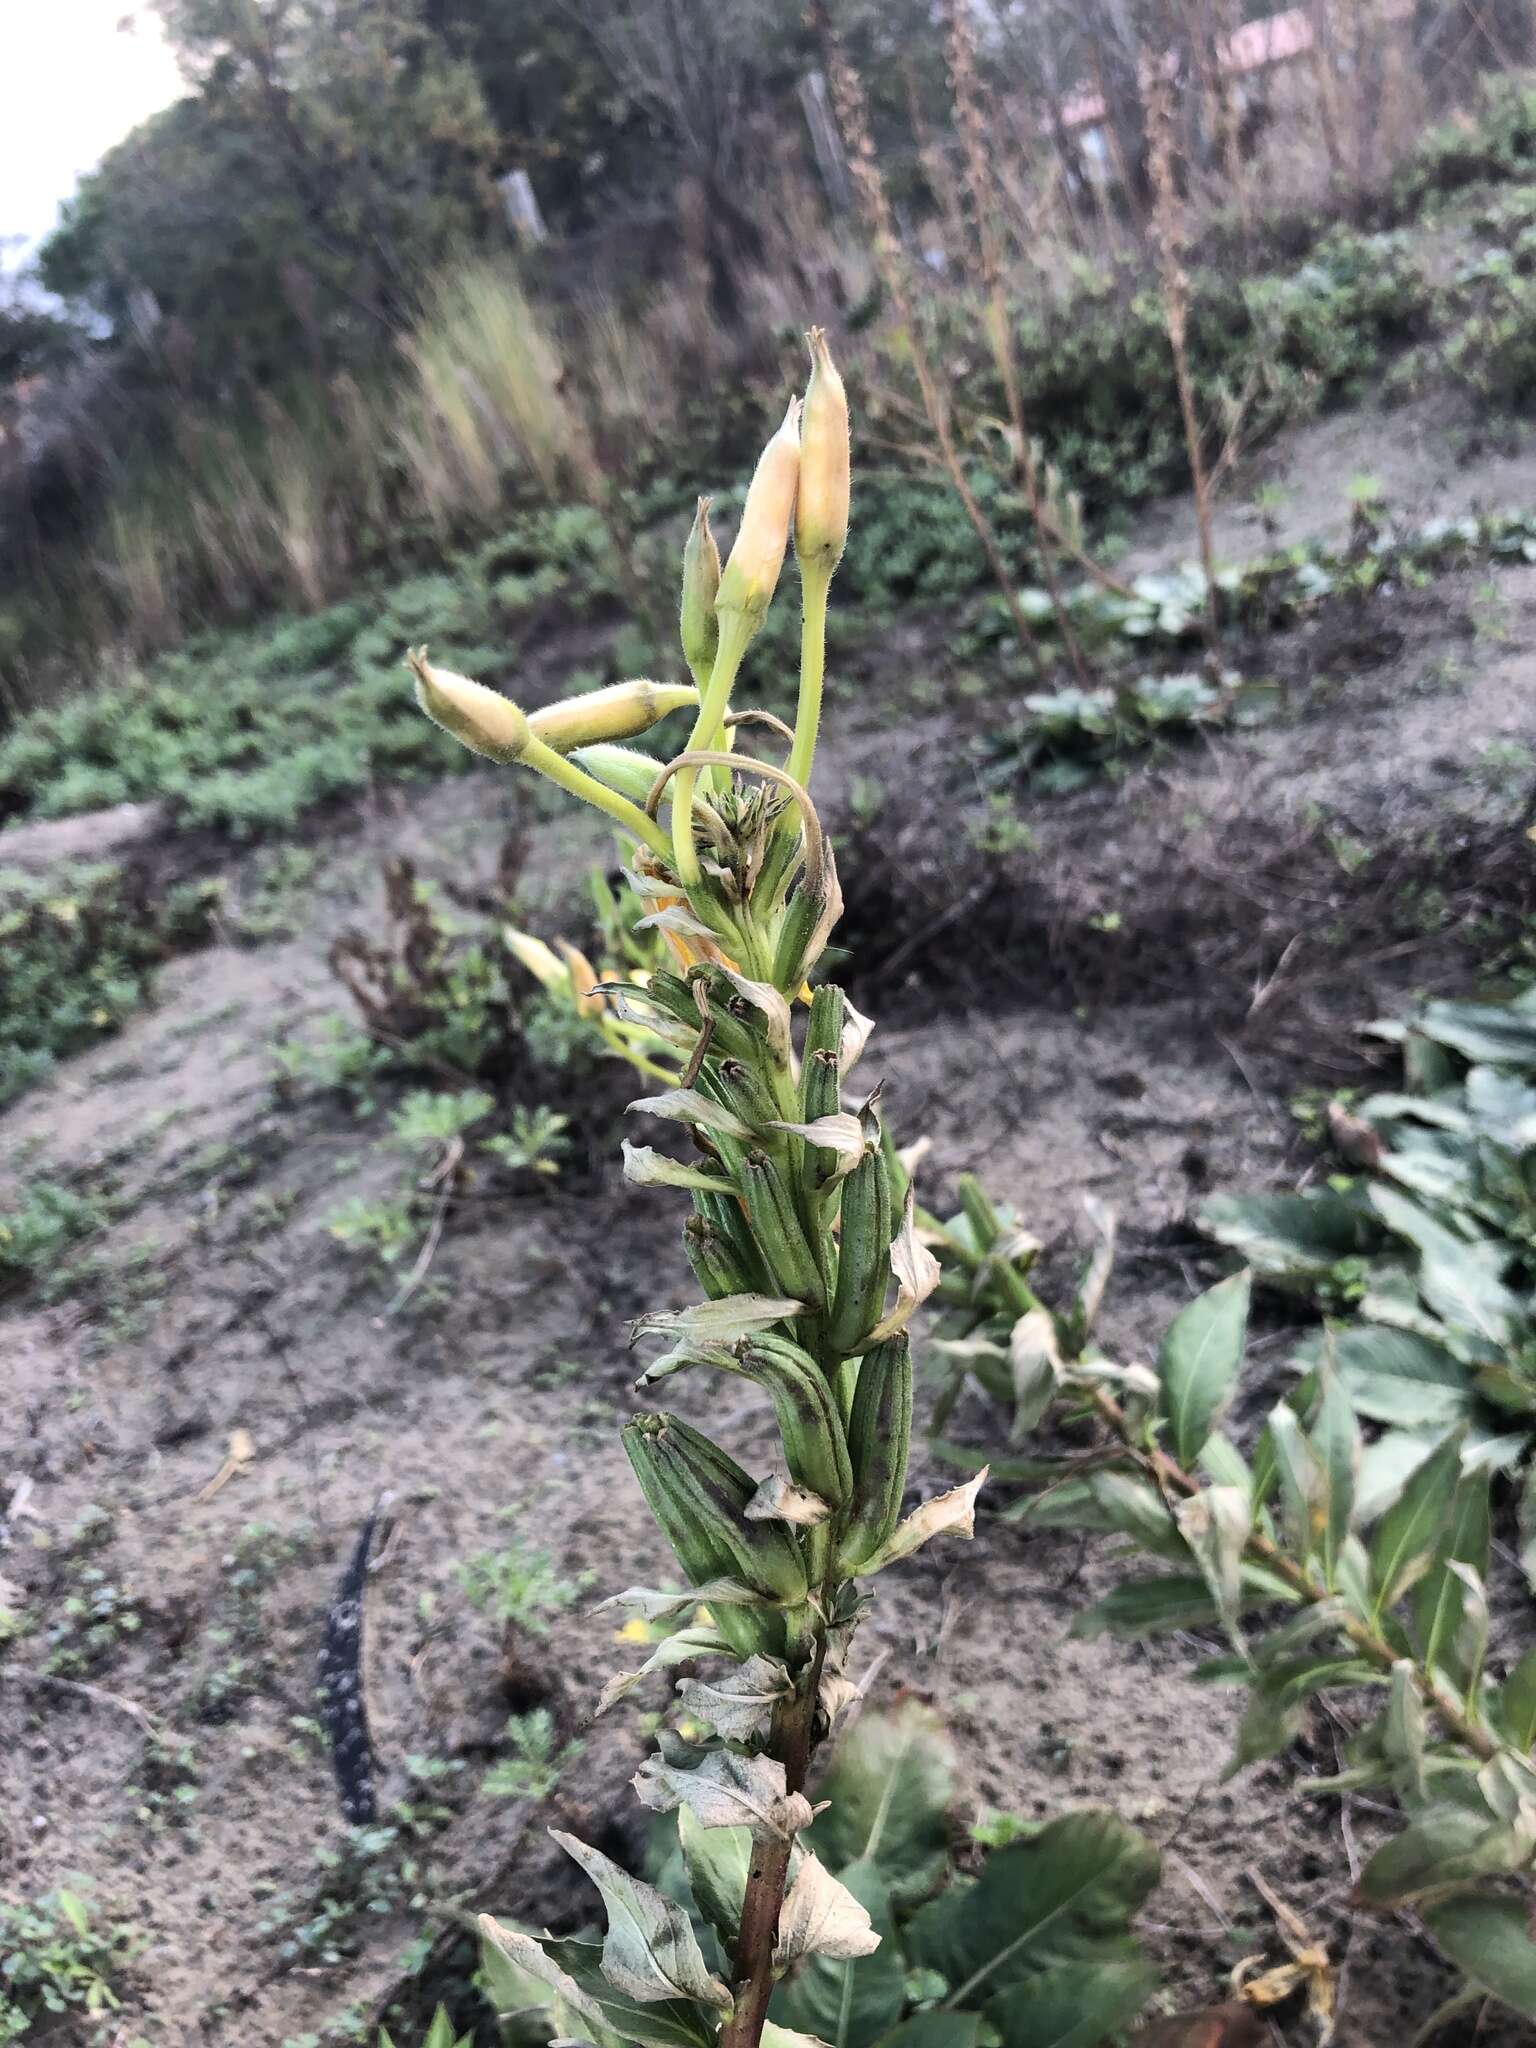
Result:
[[538, 1758], [58, 1963]]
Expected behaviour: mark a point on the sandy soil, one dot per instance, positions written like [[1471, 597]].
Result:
[[1143, 1061]]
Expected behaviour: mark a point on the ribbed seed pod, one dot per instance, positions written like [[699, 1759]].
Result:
[[824, 1025], [737, 1085], [879, 1435], [729, 1220], [864, 1254], [698, 1494], [986, 1224], [788, 1253], [742, 1029], [815, 1442], [792, 955], [713, 1259]]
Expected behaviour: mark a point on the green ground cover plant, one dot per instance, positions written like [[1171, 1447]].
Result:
[[1419, 1250], [78, 952]]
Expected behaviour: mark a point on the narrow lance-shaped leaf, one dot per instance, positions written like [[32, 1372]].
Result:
[[673, 1649], [1198, 1361], [1035, 1362], [947, 1514], [650, 1951], [1405, 1539], [917, 1274], [1216, 1524], [1335, 1436], [1439, 1598]]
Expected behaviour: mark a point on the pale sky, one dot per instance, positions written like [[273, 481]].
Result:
[[78, 75]]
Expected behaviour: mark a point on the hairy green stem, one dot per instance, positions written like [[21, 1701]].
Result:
[[815, 582], [558, 769]]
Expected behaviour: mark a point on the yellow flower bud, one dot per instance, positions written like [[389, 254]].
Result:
[[758, 555], [618, 712], [541, 961], [483, 720], [700, 629], [583, 977], [821, 506]]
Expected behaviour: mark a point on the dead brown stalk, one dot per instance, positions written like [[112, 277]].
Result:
[[1168, 236]]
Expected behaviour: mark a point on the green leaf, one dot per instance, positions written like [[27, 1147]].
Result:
[[1405, 1539], [1143, 1607], [1066, 1895], [1490, 1940], [1515, 1704], [1440, 1599], [1076, 2006], [647, 2023], [849, 2004], [717, 1861], [1448, 1845], [1198, 1362], [1114, 1502], [650, 1952], [1335, 1437], [1290, 1239], [1397, 1376], [934, 2030], [1461, 1280], [1216, 1523], [890, 1786]]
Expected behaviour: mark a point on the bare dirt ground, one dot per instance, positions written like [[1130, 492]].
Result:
[[1123, 1010]]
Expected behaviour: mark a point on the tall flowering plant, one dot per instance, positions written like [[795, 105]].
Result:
[[803, 1242]]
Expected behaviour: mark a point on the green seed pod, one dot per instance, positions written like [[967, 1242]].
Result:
[[879, 1434], [713, 1259], [725, 1214], [864, 1254], [787, 1252], [735, 1084], [824, 1025], [793, 954], [986, 1224], [815, 1443], [734, 1015], [699, 1494]]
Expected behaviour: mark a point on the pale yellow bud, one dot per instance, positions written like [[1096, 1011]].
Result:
[[541, 961], [483, 720], [618, 712], [821, 505], [699, 628], [584, 977], [752, 572]]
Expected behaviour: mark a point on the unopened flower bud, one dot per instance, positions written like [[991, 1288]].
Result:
[[584, 977], [541, 961], [618, 712], [699, 628], [625, 769], [481, 719], [752, 572], [821, 506]]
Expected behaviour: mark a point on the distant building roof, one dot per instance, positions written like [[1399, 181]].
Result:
[[1276, 39]]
